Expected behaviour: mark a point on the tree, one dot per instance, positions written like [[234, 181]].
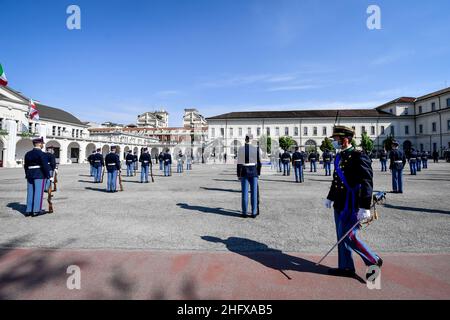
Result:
[[387, 143], [354, 144], [327, 144], [265, 143], [366, 143], [286, 142]]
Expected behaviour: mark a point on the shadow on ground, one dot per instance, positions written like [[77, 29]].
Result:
[[220, 211]]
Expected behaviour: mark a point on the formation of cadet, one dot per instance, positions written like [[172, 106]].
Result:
[[327, 158], [383, 160], [112, 162], [286, 161], [53, 169], [167, 159], [313, 156], [397, 163], [129, 162], [298, 163], [350, 195], [37, 171], [248, 171], [146, 163], [98, 164]]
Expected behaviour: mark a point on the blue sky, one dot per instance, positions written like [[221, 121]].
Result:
[[222, 55]]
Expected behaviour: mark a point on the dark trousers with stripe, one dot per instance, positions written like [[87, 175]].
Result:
[[35, 195]]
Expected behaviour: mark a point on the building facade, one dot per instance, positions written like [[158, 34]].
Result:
[[422, 123], [71, 138], [156, 119]]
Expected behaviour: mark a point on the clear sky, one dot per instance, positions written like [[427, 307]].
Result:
[[219, 56]]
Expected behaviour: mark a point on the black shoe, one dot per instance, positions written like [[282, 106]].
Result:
[[341, 272], [244, 216], [28, 214]]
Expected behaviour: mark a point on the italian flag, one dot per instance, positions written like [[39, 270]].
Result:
[[3, 80], [34, 113]]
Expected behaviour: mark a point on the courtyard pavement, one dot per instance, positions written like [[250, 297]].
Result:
[[182, 237]]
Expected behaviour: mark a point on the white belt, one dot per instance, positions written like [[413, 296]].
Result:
[[34, 167], [145, 161], [249, 164], [313, 158], [297, 160], [111, 164], [398, 161], [97, 161]]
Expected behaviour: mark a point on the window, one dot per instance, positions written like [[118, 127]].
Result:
[[420, 109], [30, 127], [407, 130], [314, 131], [296, 131], [420, 128], [213, 132], [305, 131], [382, 129], [53, 130], [59, 131], [448, 102], [231, 132], [392, 130], [258, 131], [268, 131], [1, 123], [391, 111], [222, 132], [406, 111], [372, 130], [286, 131], [363, 129], [249, 130], [277, 131], [448, 125], [324, 131], [354, 129], [73, 133], [421, 147], [240, 132], [433, 126], [433, 106]]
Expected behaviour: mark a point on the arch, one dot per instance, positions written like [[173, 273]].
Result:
[[154, 152], [22, 147], [56, 148], [176, 150], [73, 152], [235, 144], [310, 145], [89, 148], [105, 149]]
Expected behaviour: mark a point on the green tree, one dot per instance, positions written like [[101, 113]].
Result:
[[286, 142], [354, 144], [327, 144], [366, 143], [265, 143], [387, 143]]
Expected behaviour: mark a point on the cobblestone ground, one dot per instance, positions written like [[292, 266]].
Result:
[[174, 213]]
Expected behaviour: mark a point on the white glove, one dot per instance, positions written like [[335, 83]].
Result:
[[328, 203], [56, 170], [51, 179], [363, 214]]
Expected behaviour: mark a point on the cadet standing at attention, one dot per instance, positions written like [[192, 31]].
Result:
[[383, 160], [351, 196], [397, 163], [167, 159], [135, 163], [286, 160], [418, 161], [52, 163], [413, 162], [297, 163], [37, 170], [248, 171], [90, 159], [146, 161], [313, 161], [161, 160], [129, 162], [327, 157], [112, 162], [98, 166], [424, 157], [189, 162], [180, 161]]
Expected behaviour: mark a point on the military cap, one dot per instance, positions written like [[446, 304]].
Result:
[[394, 142], [342, 131], [113, 147], [38, 140]]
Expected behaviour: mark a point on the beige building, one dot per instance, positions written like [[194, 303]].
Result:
[[155, 119]]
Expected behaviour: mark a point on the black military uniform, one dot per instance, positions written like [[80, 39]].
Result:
[[146, 161], [129, 159], [297, 163], [327, 158], [98, 164], [286, 160], [52, 163], [397, 163], [112, 161]]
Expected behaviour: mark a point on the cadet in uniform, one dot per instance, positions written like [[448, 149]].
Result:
[[90, 159], [424, 157], [146, 161], [313, 159], [327, 157], [350, 195], [286, 160], [52, 163], [413, 162], [129, 159], [397, 163], [180, 161], [161, 160], [297, 163], [167, 159], [279, 161], [383, 160], [135, 163], [418, 161], [37, 170], [248, 171], [98, 164], [189, 162], [112, 162]]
